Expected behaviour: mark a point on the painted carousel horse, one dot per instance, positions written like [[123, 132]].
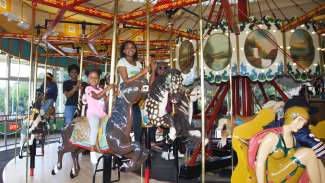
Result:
[[271, 155], [113, 135], [119, 125], [66, 145], [183, 120], [37, 130], [184, 113], [165, 87]]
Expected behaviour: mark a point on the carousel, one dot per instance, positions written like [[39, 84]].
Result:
[[166, 91]]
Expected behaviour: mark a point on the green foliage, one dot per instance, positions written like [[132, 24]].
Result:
[[2, 100], [23, 98]]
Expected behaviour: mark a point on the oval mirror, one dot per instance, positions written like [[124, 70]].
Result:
[[186, 56], [302, 48], [260, 49], [217, 51]]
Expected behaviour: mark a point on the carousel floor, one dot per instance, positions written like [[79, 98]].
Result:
[[15, 172], [162, 171]]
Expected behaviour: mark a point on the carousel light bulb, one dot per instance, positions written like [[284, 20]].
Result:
[[292, 30], [288, 47], [241, 48], [302, 25], [247, 32], [324, 65], [274, 30], [313, 32], [323, 34], [294, 64], [233, 49], [315, 65], [281, 47], [318, 49]]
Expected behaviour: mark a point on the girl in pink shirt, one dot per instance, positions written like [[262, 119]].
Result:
[[96, 104]]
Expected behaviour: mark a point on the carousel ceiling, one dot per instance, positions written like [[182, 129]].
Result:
[[66, 25]]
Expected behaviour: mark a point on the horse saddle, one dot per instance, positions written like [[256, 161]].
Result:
[[81, 133], [51, 112]]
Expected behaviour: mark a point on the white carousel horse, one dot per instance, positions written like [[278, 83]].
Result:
[[300, 89]]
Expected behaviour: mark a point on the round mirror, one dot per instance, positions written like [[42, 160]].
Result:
[[217, 51], [186, 57], [260, 49], [302, 49]]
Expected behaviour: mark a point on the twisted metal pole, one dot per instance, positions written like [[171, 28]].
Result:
[[202, 95]]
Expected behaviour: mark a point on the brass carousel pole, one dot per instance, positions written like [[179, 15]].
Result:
[[147, 139], [81, 58], [32, 150], [202, 96], [34, 3], [113, 57], [17, 97], [229, 127], [44, 88], [45, 68], [35, 73], [108, 157]]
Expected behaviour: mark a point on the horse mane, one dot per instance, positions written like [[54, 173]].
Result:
[[160, 83]]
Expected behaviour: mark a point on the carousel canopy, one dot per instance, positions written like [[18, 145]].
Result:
[[64, 26]]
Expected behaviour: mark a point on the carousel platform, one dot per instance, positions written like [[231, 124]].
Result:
[[15, 171]]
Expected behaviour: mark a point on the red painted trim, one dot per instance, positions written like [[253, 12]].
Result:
[[210, 121], [242, 10], [230, 16], [235, 96], [91, 149], [279, 90], [147, 175], [266, 98], [247, 97]]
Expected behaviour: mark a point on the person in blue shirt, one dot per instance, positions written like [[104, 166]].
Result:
[[51, 93]]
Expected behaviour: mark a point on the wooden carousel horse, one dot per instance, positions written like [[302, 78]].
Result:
[[167, 86], [114, 133], [36, 130], [183, 120], [272, 155], [119, 125]]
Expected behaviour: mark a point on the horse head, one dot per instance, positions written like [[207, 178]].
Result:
[[135, 90], [195, 94]]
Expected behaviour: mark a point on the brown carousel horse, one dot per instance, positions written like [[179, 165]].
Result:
[[113, 137]]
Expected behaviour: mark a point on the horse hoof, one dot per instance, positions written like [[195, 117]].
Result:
[[53, 172], [72, 175]]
